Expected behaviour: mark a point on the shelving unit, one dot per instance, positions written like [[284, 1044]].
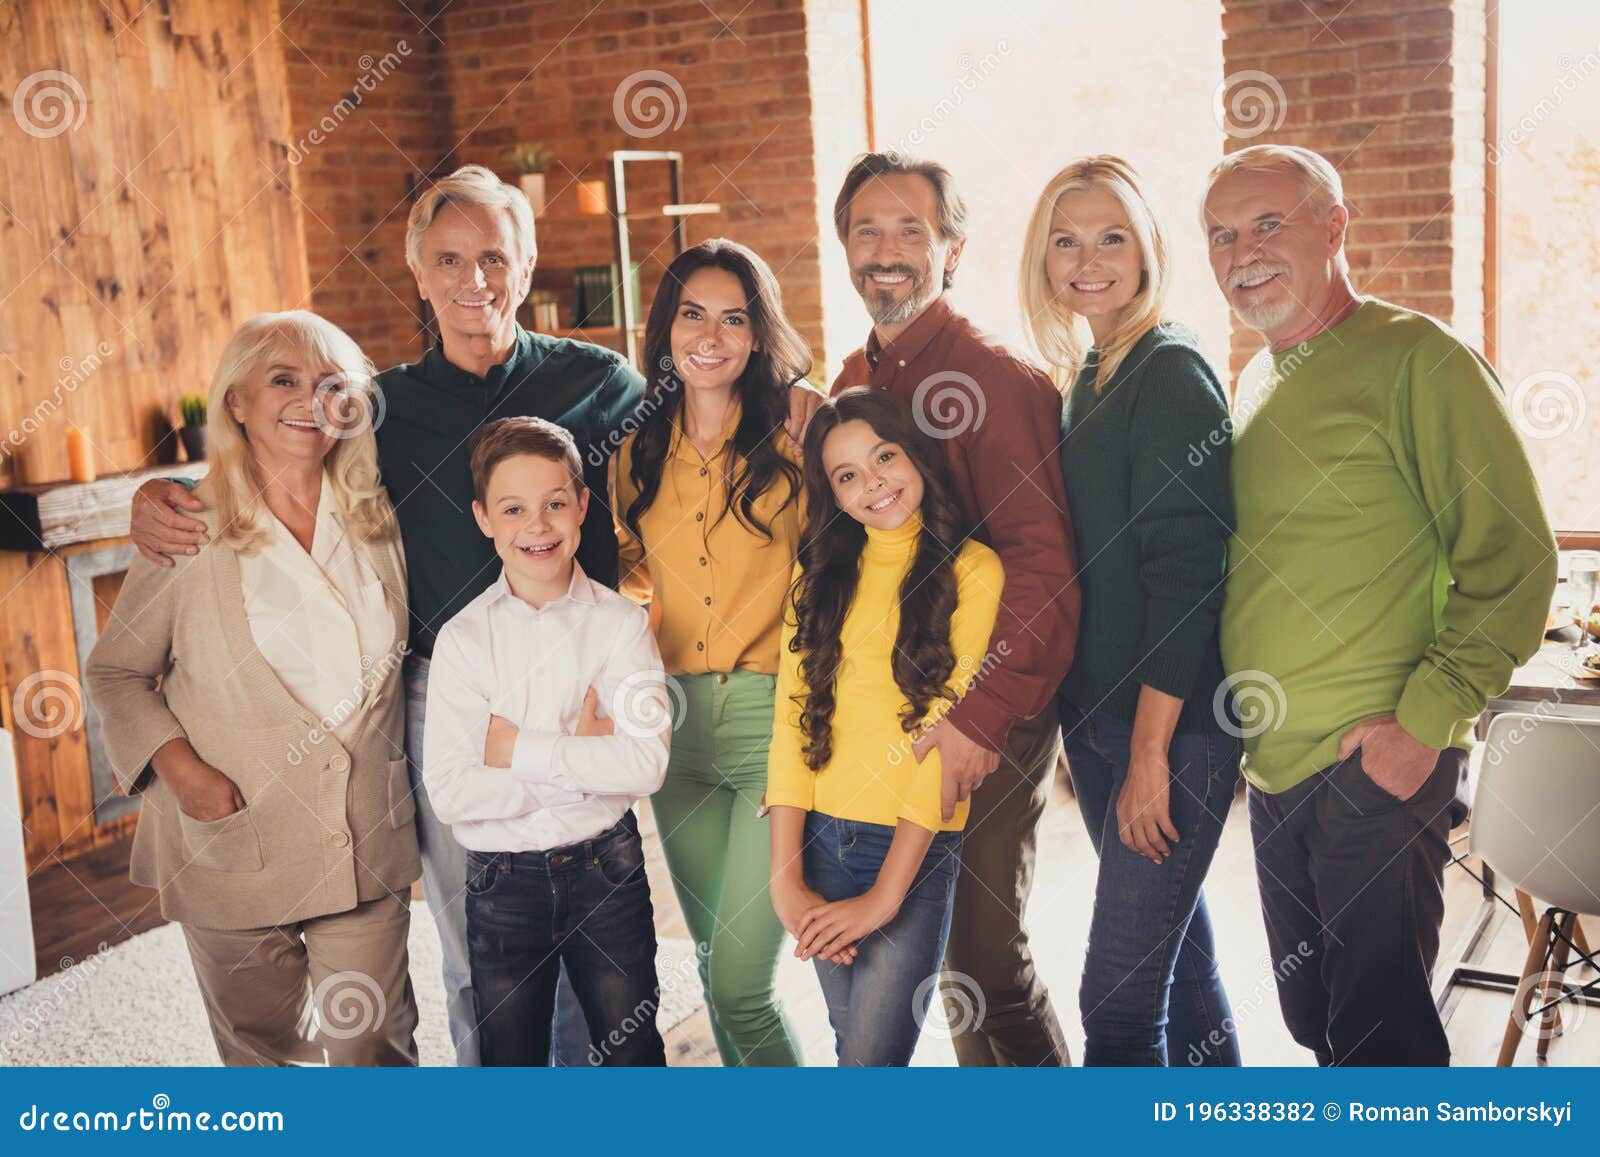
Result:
[[677, 211], [627, 336]]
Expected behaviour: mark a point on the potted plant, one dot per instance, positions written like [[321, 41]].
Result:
[[529, 159], [193, 432]]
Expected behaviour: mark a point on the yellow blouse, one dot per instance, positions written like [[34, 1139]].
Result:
[[715, 588], [873, 777]]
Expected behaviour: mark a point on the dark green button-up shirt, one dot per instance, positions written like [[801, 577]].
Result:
[[432, 408]]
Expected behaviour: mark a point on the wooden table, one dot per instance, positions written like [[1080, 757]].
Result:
[[1545, 679]]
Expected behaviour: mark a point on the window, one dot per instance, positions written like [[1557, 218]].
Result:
[[1006, 94], [1546, 149]]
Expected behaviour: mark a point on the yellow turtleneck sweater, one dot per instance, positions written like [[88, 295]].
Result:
[[873, 776]]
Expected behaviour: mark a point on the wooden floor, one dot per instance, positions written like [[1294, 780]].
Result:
[[86, 903]]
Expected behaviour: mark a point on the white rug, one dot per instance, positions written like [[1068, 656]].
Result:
[[137, 1004]]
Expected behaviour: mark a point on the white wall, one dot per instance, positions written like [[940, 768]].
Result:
[[1005, 92]]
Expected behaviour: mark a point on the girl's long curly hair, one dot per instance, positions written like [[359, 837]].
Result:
[[830, 557], [778, 360]]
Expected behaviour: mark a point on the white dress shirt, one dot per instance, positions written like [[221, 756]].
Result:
[[533, 666], [320, 619]]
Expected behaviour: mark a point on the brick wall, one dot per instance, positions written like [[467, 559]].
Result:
[[734, 100], [1392, 92], [486, 76], [366, 99]]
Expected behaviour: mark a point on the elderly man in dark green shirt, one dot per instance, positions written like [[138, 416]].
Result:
[[470, 243]]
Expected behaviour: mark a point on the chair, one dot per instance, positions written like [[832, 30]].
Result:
[[1536, 822]]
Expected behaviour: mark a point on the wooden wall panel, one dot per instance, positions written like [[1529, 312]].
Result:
[[40, 682], [132, 242], [138, 237]]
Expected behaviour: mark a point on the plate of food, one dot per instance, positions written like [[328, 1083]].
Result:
[[1561, 626]]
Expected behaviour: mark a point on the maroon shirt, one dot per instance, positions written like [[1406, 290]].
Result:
[[1000, 424]]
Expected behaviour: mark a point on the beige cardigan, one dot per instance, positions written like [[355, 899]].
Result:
[[325, 826]]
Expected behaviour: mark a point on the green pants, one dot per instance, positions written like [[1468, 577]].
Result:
[[717, 850]]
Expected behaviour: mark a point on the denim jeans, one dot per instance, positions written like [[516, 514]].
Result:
[[1150, 983], [444, 881], [585, 906], [877, 1004]]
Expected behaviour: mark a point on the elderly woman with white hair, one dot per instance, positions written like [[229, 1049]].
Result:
[[251, 696]]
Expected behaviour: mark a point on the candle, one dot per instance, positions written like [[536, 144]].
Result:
[[592, 197], [80, 455]]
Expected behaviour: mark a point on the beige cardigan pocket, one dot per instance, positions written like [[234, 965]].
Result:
[[402, 801], [230, 844]]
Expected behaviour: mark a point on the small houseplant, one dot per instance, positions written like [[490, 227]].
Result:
[[193, 432], [529, 159]]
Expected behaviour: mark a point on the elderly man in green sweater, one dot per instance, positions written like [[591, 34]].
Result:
[[1391, 565]]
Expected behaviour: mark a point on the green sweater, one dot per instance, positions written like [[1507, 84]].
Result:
[[1146, 468], [1391, 554]]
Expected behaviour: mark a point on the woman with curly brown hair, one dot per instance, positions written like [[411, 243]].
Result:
[[885, 630]]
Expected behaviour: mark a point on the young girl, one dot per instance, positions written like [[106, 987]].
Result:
[[1154, 761], [889, 617], [707, 498]]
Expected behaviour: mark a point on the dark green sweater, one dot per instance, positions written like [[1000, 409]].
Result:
[[1146, 467]]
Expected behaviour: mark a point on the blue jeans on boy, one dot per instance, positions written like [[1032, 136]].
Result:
[[1150, 983], [877, 1004], [585, 907], [444, 882]]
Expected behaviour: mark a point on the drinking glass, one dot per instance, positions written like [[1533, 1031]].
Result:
[[1583, 584]]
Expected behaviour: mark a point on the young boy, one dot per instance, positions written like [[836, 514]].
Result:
[[547, 718]]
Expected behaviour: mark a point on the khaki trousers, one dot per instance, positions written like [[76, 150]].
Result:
[[333, 990]]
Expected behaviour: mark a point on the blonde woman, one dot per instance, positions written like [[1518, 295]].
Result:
[[1154, 762], [251, 696]]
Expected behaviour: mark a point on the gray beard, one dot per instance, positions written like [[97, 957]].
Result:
[[885, 310], [1262, 320]]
